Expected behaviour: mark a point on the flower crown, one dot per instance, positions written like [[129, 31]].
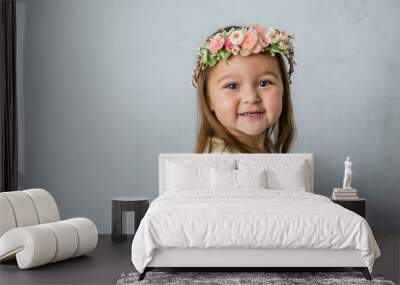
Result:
[[243, 41]]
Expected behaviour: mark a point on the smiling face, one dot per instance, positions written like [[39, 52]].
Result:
[[246, 96]]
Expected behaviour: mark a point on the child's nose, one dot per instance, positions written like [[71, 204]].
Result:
[[251, 95]]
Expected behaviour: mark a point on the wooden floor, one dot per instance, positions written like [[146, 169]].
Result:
[[111, 259]]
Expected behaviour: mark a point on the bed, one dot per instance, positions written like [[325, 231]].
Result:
[[247, 211]]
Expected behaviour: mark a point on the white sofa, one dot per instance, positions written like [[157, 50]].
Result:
[[31, 231]]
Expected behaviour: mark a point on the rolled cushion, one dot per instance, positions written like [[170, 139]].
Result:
[[87, 234], [45, 205], [67, 240], [40, 244], [7, 220], [32, 245], [26, 208], [24, 211]]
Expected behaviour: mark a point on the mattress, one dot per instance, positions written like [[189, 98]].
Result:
[[250, 219]]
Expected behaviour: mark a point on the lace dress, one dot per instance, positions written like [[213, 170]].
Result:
[[218, 146]]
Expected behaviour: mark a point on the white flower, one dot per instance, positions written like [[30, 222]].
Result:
[[236, 37], [272, 35], [269, 34], [282, 45], [203, 56]]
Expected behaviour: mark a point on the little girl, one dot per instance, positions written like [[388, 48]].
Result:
[[243, 91]]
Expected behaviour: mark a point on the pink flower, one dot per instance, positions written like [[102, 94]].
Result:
[[263, 41], [257, 48], [261, 35], [259, 29], [228, 45], [216, 44], [249, 41]]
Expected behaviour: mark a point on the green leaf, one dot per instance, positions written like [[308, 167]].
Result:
[[212, 60], [225, 54], [224, 34], [274, 48]]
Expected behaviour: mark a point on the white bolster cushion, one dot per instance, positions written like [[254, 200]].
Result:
[[44, 243], [7, 218], [87, 234], [45, 205], [32, 245], [23, 208], [67, 240]]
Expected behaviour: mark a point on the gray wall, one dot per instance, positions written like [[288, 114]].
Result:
[[104, 87]]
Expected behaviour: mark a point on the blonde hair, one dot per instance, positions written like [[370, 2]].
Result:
[[279, 137]]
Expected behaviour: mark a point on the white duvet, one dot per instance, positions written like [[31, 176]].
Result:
[[250, 218]]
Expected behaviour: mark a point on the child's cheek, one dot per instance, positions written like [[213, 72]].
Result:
[[233, 107], [274, 107], [227, 110]]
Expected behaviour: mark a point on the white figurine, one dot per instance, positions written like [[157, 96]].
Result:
[[347, 174]]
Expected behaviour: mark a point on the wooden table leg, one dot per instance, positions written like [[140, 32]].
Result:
[[116, 231]]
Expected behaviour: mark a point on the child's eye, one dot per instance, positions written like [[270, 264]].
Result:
[[264, 83], [232, 86]]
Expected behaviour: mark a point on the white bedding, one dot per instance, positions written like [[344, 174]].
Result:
[[250, 218]]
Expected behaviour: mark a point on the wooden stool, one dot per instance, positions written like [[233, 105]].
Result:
[[124, 204]]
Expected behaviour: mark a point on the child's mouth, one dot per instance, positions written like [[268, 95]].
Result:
[[253, 115]]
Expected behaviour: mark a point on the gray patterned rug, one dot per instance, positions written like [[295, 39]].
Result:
[[225, 278]]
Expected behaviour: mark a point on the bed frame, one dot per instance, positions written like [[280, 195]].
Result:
[[248, 259]]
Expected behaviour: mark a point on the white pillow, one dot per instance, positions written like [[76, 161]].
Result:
[[237, 179], [292, 178], [282, 174], [223, 178], [251, 178], [186, 174]]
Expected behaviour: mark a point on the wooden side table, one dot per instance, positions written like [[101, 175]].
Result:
[[357, 206], [123, 204]]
